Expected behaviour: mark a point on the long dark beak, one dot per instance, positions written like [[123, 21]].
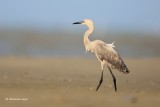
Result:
[[79, 22]]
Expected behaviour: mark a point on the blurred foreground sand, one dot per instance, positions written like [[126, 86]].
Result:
[[71, 82]]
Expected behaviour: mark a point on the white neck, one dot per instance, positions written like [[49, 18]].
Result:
[[87, 34]]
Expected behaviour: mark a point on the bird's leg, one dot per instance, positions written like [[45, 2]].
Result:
[[114, 79], [101, 79], [100, 82]]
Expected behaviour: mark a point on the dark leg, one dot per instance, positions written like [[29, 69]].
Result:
[[114, 79], [100, 82]]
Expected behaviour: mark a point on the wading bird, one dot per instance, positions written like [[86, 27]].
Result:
[[104, 53]]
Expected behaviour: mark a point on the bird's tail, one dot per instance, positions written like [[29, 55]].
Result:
[[125, 69], [122, 67]]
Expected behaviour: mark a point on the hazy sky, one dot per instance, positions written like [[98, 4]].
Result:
[[121, 14]]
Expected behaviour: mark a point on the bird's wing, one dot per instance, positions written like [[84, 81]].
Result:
[[106, 52]]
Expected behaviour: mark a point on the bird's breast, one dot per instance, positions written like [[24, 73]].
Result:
[[89, 47]]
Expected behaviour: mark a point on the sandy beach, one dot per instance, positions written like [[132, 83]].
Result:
[[71, 82]]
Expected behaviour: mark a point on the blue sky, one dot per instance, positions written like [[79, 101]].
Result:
[[120, 14]]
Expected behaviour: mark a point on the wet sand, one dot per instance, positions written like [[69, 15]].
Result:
[[71, 82]]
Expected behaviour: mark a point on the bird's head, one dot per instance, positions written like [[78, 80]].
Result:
[[86, 22]]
